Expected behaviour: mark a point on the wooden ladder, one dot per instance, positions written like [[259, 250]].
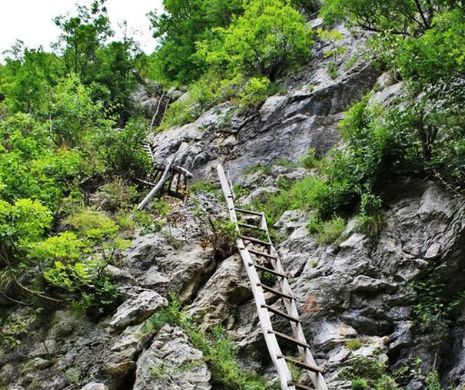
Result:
[[165, 177], [157, 118], [260, 256]]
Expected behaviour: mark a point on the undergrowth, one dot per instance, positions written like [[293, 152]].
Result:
[[218, 351]]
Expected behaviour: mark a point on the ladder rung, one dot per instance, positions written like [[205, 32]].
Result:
[[253, 239], [301, 364], [249, 212], [276, 292], [300, 386], [281, 313], [257, 253], [270, 270], [246, 225], [290, 338]]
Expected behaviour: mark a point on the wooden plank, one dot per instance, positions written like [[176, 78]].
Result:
[[262, 254], [248, 212], [281, 313], [248, 226], [290, 338], [300, 386], [276, 292], [256, 240], [301, 364], [270, 270]]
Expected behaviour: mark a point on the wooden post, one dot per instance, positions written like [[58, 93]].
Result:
[[158, 187]]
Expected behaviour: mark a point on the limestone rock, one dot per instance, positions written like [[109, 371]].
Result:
[[137, 309], [95, 386], [171, 363]]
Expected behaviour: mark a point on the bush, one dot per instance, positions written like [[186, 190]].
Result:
[[310, 161], [367, 372], [92, 224], [122, 152], [269, 38], [218, 351], [116, 195], [254, 92], [370, 220], [330, 232]]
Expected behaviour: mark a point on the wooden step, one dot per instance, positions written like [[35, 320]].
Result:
[[281, 313], [262, 254], [256, 240], [270, 270], [301, 364], [246, 225], [290, 338], [249, 212], [274, 291], [300, 386]]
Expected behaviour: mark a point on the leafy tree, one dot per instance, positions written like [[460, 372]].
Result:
[[26, 79], [267, 40], [82, 35], [180, 26], [402, 17], [106, 68]]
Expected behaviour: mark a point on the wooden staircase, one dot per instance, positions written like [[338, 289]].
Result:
[[260, 257]]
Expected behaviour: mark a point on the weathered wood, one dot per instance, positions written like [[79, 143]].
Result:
[[262, 254], [158, 187], [276, 292], [270, 339], [270, 270], [291, 339], [291, 313], [244, 211], [303, 365]]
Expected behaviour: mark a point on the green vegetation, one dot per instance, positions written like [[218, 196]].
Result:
[[366, 373], [68, 150], [231, 51], [354, 344], [218, 350], [333, 37]]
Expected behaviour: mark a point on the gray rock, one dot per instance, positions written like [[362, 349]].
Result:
[[137, 309], [218, 299], [95, 386], [172, 363]]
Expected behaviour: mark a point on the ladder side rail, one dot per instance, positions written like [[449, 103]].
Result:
[[156, 112], [274, 349], [291, 308]]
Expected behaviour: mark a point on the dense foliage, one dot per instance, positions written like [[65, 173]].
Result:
[[59, 143]]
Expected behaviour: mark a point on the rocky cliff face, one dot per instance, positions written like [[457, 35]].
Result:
[[358, 290]]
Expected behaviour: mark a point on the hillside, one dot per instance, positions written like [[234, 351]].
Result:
[[342, 122]]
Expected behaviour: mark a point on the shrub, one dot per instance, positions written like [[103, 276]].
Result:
[[433, 381], [359, 384], [218, 350], [370, 220], [116, 195], [310, 160], [121, 150], [331, 231], [269, 38], [92, 224], [368, 371], [353, 344], [254, 92]]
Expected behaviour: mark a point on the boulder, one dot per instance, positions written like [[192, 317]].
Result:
[[172, 363], [137, 308]]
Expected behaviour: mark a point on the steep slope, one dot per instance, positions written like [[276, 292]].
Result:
[[356, 297]]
